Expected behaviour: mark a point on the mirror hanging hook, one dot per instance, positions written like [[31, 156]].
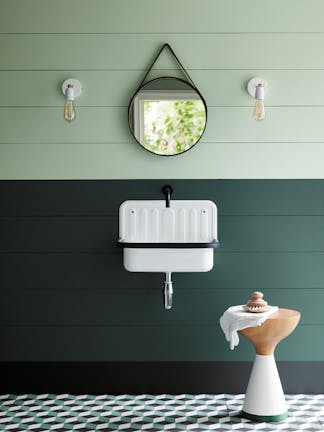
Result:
[[182, 68]]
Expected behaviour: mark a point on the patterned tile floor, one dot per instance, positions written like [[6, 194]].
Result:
[[64, 413]]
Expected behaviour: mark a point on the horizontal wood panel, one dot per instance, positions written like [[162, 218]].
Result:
[[116, 87], [143, 307], [110, 125], [103, 197], [50, 234], [99, 234], [271, 233], [254, 271], [40, 125], [198, 51], [131, 161], [167, 16], [177, 343]]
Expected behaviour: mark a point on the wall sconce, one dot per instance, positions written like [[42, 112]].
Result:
[[71, 89], [256, 88]]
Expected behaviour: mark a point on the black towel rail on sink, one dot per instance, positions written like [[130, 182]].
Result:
[[214, 244]]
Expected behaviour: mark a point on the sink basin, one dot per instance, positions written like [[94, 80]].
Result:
[[180, 238], [168, 260]]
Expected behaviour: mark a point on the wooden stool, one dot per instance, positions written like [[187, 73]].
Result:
[[264, 398]]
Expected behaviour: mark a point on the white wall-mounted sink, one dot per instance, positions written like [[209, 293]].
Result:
[[180, 238]]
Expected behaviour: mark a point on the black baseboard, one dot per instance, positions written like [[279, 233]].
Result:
[[150, 377]]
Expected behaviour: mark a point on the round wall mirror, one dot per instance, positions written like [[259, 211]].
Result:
[[167, 116]]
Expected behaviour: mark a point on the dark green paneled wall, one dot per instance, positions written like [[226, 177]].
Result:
[[64, 295]]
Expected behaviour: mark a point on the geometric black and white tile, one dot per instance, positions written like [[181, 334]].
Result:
[[184, 412]]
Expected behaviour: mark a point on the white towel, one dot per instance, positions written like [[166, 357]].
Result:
[[235, 318]]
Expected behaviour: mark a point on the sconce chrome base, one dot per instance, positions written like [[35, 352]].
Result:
[[253, 83], [77, 87]]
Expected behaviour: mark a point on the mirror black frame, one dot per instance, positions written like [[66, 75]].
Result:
[[145, 84]]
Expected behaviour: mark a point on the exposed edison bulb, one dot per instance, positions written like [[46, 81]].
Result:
[[69, 112], [259, 111]]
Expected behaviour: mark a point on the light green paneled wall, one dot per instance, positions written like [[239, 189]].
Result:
[[108, 44]]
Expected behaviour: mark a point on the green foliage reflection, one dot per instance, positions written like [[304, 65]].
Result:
[[173, 126]]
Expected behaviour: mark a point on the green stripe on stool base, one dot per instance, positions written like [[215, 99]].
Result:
[[263, 418]]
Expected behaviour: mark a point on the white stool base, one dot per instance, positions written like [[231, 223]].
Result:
[[264, 399]]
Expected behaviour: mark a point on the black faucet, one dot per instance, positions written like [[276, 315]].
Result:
[[167, 190]]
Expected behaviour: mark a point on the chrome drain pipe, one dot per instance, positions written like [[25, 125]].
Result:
[[167, 291]]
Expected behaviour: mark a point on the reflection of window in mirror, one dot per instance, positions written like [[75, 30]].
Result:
[[168, 122]]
